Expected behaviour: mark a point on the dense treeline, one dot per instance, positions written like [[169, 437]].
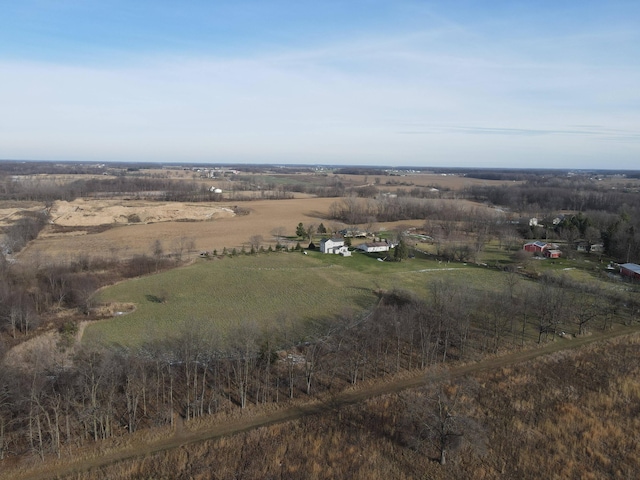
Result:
[[8, 167], [21, 232], [353, 211], [360, 171], [19, 167], [48, 190], [107, 392], [556, 194], [271, 189]]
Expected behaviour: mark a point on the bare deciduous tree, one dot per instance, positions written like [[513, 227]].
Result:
[[279, 233], [256, 242], [180, 245], [435, 418], [158, 251]]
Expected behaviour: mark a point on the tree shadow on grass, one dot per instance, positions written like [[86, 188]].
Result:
[[155, 298]]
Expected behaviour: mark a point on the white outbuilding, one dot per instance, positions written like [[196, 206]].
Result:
[[372, 247]]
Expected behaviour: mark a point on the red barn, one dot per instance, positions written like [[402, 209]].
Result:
[[630, 270], [535, 247]]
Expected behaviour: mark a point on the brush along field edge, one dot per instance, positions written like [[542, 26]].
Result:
[[236, 426]]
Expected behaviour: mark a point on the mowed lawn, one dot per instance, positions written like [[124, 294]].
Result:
[[270, 290]]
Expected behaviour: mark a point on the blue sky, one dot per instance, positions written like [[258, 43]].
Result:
[[451, 83]]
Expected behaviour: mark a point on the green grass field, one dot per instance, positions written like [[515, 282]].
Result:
[[269, 290], [284, 291]]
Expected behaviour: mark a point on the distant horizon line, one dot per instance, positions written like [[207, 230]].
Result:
[[148, 163]]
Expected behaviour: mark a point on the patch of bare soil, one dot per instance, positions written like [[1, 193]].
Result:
[[82, 212]]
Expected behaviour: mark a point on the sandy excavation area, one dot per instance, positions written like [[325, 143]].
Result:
[[86, 213], [210, 225]]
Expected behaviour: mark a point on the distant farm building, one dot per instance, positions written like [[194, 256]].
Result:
[[535, 247], [549, 250], [373, 247], [630, 270], [582, 247], [353, 233], [597, 248], [585, 247]]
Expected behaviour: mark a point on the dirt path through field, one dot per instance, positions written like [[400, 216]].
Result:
[[184, 437]]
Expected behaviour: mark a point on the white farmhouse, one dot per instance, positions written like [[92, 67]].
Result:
[[331, 245]]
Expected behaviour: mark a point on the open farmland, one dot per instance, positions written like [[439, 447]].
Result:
[[411, 180], [449, 181], [93, 228], [274, 291], [137, 238]]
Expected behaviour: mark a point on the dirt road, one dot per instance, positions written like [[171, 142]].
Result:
[[184, 437]]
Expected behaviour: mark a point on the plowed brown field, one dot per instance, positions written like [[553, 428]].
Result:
[[99, 228]]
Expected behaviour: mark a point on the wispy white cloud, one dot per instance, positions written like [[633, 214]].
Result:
[[471, 96]]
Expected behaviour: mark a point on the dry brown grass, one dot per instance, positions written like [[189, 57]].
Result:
[[574, 415], [570, 415]]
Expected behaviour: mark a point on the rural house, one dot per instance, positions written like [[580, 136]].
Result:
[[582, 246], [630, 270], [331, 245], [552, 253], [597, 248]]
